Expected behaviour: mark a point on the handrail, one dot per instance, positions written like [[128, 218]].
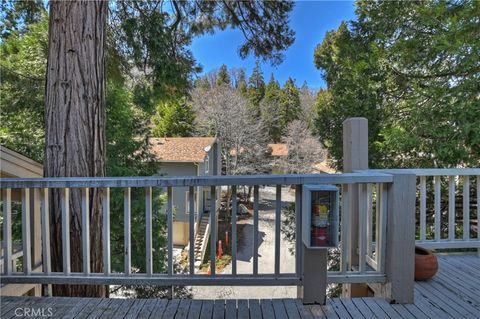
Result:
[[178, 181], [372, 270]]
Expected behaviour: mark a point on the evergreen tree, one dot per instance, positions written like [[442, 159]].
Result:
[[256, 89], [241, 83], [289, 103], [270, 110], [223, 77], [174, 118]]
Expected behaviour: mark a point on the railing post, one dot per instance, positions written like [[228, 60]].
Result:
[[400, 246], [314, 275], [355, 157]]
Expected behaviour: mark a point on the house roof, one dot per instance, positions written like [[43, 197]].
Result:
[[280, 149], [14, 164], [180, 149]]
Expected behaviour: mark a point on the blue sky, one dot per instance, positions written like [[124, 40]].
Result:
[[309, 19]]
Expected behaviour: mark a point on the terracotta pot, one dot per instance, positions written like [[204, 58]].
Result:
[[426, 264]]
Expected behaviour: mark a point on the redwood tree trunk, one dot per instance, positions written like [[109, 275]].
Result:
[[75, 126]]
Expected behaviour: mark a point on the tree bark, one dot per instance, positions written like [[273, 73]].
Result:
[[75, 126]]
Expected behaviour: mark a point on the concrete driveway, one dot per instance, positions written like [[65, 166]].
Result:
[[266, 257]]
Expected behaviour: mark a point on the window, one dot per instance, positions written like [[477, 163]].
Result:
[[187, 204], [207, 164]]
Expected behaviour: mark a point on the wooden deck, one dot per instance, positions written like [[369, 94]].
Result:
[[453, 293]]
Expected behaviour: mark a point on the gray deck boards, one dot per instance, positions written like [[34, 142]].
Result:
[[453, 293]]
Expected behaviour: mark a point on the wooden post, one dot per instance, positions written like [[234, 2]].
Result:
[[314, 276], [355, 157], [400, 246]]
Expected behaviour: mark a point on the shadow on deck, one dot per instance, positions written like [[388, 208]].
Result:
[[453, 293]]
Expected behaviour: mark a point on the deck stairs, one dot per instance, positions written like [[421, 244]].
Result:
[[201, 238]]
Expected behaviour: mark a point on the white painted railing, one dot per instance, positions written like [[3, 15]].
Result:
[[442, 224], [371, 268]]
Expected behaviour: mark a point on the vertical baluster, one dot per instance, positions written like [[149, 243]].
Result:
[[86, 230], [345, 252], [7, 230], [369, 220], [148, 231], [127, 247], [27, 256], [298, 231], [423, 208], [382, 234], [65, 204], [106, 230], [451, 208], [213, 229], [278, 219], [362, 226], [191, 228], [45, 220], [466, 207], [234, 230], [170, 230], [478, 210], [255, 229], [438, 213], [377, 223]]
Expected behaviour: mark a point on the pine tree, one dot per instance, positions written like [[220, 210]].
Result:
[[290, 103], [174, 118], [256, 89], [270, 110], [223, 77], [241, 84]]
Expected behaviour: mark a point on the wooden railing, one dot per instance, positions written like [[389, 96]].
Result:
[[442, 224], [373, 206]]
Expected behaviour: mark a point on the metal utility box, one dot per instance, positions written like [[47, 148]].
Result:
[[320, 216]]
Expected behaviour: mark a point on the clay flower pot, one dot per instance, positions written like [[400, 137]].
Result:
[[426, 264]]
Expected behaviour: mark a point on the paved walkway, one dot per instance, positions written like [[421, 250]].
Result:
[[266, 252]]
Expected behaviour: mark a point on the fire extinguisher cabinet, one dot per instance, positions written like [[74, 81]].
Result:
[[320, 216]]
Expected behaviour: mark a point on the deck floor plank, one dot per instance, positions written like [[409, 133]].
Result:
[[207, 309], [231, 309], [305, 311], [279, 309], [339, 308], [242, 309], [453, 293], [135, 309], [147, 308], [254, 308], [183, 307], [451, 298], [195, 309], [291, 309], [219, 309], [170, 310], [351, 308], [267, 309], [363, 308], [387, 308], [100, 309], [375, 308], [439, 302]]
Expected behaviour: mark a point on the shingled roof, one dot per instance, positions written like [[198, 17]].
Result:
[[279, 149], [180, 149]]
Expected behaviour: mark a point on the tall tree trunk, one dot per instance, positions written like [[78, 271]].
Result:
[[75, 126]]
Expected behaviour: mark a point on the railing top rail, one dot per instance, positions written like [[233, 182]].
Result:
[[176, 181], [432, 171]]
